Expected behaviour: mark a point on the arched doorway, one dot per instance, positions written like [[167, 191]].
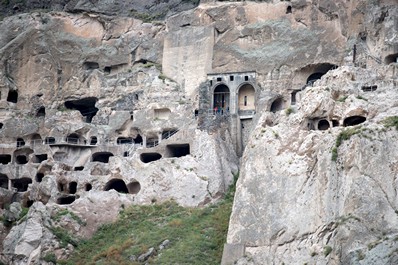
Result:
[[221, 98], [246, 98]]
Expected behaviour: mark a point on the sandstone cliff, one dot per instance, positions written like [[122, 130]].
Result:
[[99, 111]]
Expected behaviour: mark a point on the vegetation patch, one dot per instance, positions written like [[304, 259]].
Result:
[[343, 136], [196, 235], [391, 122], [57, 217], [327, 250]]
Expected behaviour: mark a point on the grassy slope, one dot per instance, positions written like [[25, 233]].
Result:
[[197, 235]]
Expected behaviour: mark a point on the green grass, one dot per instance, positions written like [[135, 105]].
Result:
[[391, 122], [197, 235], [343, 136]]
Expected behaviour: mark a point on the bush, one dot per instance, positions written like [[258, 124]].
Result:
[[327, 250], [50, 257], [391, 122]]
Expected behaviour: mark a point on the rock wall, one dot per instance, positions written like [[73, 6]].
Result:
[[98, 110]]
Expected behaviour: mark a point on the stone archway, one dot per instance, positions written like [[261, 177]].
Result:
[[221, 98], [246, 98]]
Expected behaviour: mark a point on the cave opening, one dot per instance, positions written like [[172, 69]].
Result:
[[335, 123], [323, 125], [88, 187], [20, 142], [86, 106], [49, 140], [93, 140], [90, 65], [12, 96], [73, 138], [124, 140], [134, 187], [138, 139], [3, 181], [39, 158], [150, 157], [277, 105], [353, 120], [72, 187], [39, 177], [5, 159], [178, 150], [116, 184], [41, 112], [392, 58], [102, 157], [21, 184], [78, 168], [66, 200], [21, 159]]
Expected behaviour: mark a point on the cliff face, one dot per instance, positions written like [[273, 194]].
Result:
[[100, 110]]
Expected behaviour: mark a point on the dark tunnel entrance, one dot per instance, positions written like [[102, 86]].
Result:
[[177, 150], [66, 200], [150, 157], [116, 184], [86, 106], [353, 120], [5, 159], [3, 181], [21, 184], [101, 157]]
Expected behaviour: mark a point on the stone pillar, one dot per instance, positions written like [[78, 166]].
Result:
[[160, 137], [144, 141]]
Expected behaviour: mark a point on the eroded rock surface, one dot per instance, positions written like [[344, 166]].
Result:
[[100, 110]]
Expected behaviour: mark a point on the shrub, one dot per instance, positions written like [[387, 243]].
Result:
[[50, 257], [327, 250], [391, 122]]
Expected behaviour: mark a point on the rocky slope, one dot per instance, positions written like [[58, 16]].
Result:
[[99, 111]]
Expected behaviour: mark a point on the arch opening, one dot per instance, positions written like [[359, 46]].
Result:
[[277, 105], [221, 98], [36, 139], [323, 125], [21, 184], [134, 187], [20, 142], [353, 120], [117, 185], [73, 138], [102, 157], [289, 10], [150, 157], [246, 98], [86, 106], [3, 181], [93, 140]]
